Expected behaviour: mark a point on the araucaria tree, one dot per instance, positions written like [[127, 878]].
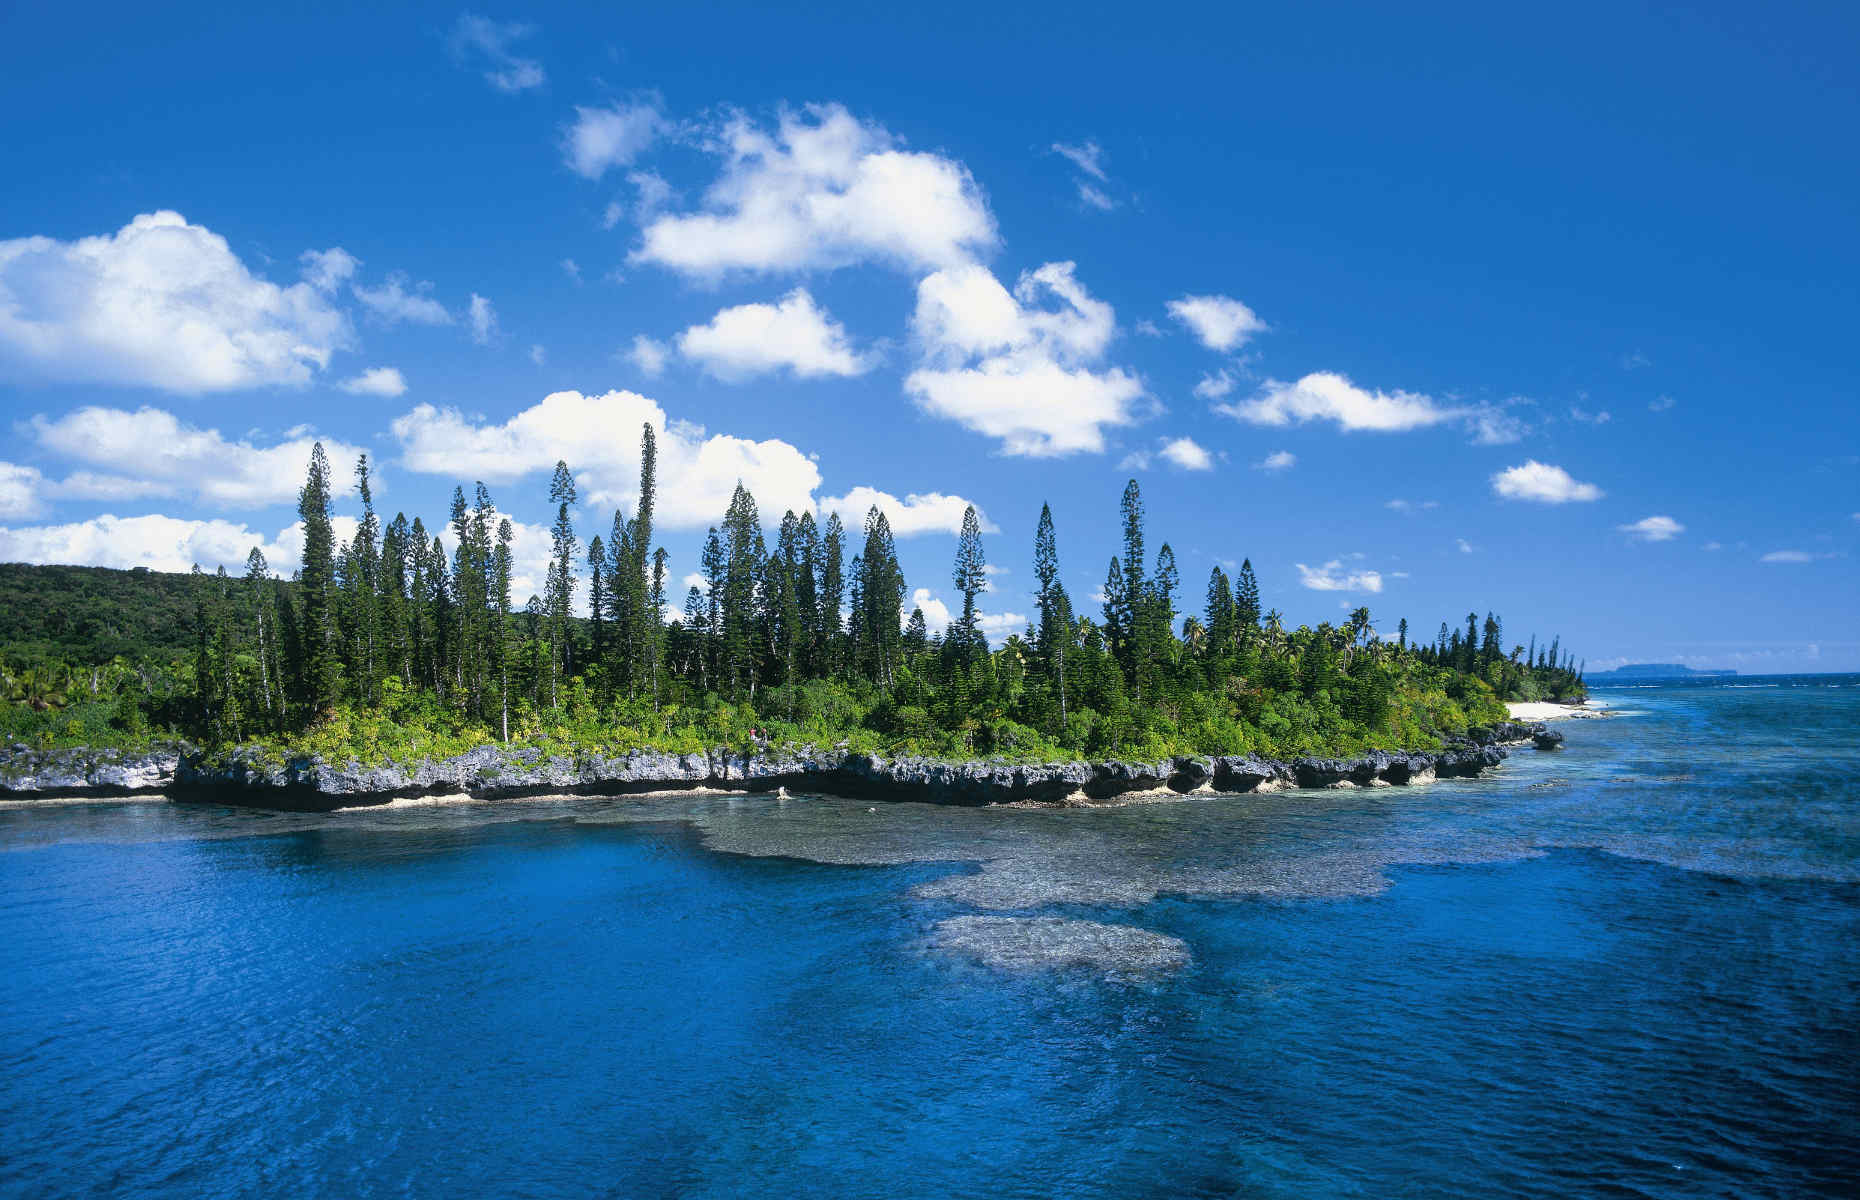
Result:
[[970, 577], [561, 578], [1056, 631], [322, 678], [407, 628]]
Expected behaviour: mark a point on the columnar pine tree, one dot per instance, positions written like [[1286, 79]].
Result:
[[319, 690], [1221, 616], [619, 599], [419, 609], [1116, 608], [807, 591], [1055, 610], [396, 617], [561, 580], [1135, 587], [1246, 600], [831, 592], [440, 606], [655, 627], [697, 623], [597, 598], [970, 577], [715, 567], [500, 591], [258, 584], [883, 594], [743, 561], [645, 613]]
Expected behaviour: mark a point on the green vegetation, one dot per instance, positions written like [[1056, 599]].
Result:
[[388, 647]]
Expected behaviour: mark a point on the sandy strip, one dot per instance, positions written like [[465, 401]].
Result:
[[1540, 710]]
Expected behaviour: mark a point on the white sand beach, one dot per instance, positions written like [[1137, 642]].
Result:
[[1543, 710]]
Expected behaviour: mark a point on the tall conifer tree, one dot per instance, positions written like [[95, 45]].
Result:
[[970, 577], [561, 580], [318, 691], [1055, 614]]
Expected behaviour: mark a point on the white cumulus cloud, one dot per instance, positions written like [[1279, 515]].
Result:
[[1542, 483], [160, 543], [1021, 366], [757, 339], [598, 436], [926, 512], [20, 489], [1187, 454], [823, 190], [1328, 396], [1278, 460], [151, 452], [159, 303], [376, 381], [1218, 322], [1653, 529]]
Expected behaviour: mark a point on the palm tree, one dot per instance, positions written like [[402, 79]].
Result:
[[40, 687]]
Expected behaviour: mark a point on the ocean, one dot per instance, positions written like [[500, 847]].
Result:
[[1630, 967]]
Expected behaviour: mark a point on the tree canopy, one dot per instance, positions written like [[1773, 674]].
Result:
[[394, 644]]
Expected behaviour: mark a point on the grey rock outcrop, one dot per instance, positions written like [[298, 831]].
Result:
[[248, 777], [27, 773]]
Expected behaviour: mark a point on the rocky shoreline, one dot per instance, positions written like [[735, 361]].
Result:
[[497, 772]]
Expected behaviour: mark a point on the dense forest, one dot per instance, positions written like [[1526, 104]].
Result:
[[398, 644]]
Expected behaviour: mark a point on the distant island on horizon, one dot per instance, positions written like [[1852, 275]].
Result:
[[1654, 671]]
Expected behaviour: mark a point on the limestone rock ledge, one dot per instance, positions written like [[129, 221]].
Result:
[[247, 778]]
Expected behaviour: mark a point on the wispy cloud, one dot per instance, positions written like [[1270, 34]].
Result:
[[487, 44], [1799, 556], [1088, 157], [1333, 576], [483, 320], [1325, 396]]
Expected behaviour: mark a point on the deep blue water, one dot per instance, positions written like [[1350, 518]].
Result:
[[1631, 968]]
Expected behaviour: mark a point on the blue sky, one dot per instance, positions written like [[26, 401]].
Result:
[[1429, 312]]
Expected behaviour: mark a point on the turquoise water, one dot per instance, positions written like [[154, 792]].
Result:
[[1629, 968]]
